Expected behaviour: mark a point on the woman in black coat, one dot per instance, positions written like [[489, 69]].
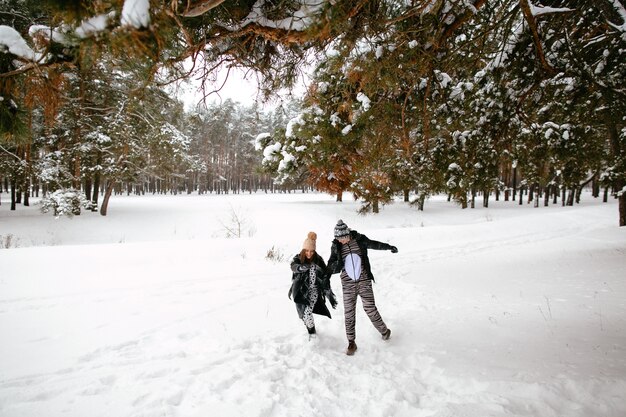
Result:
[[310, 285]]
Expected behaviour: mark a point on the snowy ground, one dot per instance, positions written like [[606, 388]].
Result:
[[152, 311]]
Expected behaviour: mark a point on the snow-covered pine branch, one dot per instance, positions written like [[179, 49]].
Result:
[[299, 21], [621, 10], [12, 42]]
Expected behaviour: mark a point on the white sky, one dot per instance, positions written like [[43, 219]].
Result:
[[240, 86], [237, 87]]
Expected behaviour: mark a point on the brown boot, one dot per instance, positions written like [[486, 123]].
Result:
[[351, 348]]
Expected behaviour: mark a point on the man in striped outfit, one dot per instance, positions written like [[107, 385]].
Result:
[[348, 255]]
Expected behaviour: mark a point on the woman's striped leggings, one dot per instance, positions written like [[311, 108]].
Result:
[[351, 290]]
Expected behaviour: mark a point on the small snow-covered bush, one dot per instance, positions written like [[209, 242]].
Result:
[[65, 202], [237, 226], [274, 254], [8, 241]]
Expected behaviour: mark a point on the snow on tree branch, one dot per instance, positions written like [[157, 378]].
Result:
[[621, 10], [300, 20], [94, 25], [291, 126], [538, 10], [365, 101], [136, 13], [270, 153], [260, 140], [11, 41], [502, 57], [49, 34]]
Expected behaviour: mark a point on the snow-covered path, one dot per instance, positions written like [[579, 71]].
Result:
[[506, 311]]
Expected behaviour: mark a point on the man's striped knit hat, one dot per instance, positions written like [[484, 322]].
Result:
[[341, 229]]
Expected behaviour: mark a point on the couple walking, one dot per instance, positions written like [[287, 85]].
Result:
[[310, 285]]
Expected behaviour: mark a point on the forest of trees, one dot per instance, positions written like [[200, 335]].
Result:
[[519, 99], [149, 146]]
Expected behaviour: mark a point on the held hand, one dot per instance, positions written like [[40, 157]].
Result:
[[326, 283], [331, 297], [303, 268], [394, 249]]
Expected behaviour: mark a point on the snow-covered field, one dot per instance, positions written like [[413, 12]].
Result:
[[152, 311]]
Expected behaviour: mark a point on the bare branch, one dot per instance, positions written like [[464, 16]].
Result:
[[284, 36], [18, 71], [532, 24], [201, 8], [10, 153], [458, 22]]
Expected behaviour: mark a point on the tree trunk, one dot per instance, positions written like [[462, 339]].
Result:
[[622, 210], [616, 148], [514, 183], [406, 196], [375, 208], [595, 186], [420, 201], [486, 198], [13, 200], [339, 196], [26, 181], [96, 193], [88, 185], [105, 199]]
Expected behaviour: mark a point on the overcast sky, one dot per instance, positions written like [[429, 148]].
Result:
[[239, 87]]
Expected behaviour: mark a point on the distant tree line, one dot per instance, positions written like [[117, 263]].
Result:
[[140, 145]]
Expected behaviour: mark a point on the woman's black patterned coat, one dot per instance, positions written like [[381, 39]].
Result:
[[300, 286]]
